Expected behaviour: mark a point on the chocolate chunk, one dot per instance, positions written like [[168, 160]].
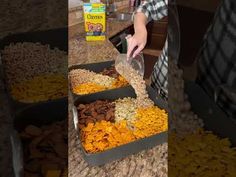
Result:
[[100, 117], [96, 111], [89, 121], [108, 116], [82, 120], [81, 126], [87, 113], [94, 114]]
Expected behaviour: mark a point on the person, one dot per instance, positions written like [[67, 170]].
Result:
[[217, 58], [150, 10]]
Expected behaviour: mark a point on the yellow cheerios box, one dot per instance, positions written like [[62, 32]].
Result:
[[95, 21]]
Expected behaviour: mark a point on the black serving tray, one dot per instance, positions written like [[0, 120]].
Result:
[[55, 38], [213, 117], [95, 67], [96, 159], [42, 114]]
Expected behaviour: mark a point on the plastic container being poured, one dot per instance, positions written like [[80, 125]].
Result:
[[136, 63]]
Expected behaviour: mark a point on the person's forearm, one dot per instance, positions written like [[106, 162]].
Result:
[[140, 21], [137, 42]]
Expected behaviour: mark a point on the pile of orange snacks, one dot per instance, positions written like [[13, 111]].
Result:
[[204, 154], [40, 88], [102, 135], [90, 87], [87, 88]]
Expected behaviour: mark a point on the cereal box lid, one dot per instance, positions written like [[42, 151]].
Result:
[[94, 7]]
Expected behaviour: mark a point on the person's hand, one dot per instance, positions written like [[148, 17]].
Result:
[[137, 42]]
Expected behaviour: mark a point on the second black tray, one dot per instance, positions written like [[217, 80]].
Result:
[[42, 114], [214, 118], [127, 149], [55, 38]]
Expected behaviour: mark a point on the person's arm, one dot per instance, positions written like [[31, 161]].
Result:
[[152, 9], [139, 38]]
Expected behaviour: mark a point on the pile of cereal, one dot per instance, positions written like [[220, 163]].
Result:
[[181, 119], [137, 82], [23, 61], [125, 109], [80, 76], [35, 72], [40, 88], [85, 82]]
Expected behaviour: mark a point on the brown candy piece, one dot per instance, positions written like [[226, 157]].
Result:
[[96, 111], [81, 106], [81, 126], [100, 117]]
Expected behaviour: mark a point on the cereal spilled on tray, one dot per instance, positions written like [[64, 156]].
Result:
[[137, 82], [106, 124], [85, 82]]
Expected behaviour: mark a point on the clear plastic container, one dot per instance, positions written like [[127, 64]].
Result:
[[136, 63]]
